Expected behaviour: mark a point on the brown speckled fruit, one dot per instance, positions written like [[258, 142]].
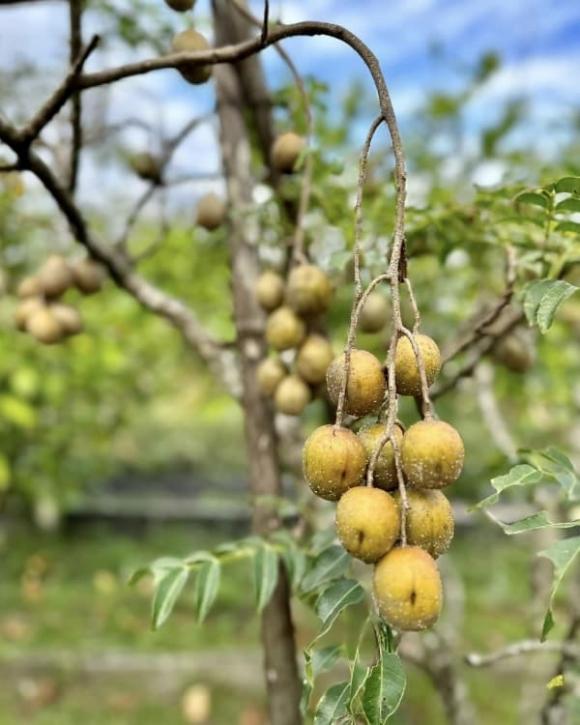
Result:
[[284, 329], [69, 318], [385, 469], [430, 522], [334, 460], [211, 212], [367, 522], [88, 276], [285, 151], [270, 290], [44, 326], [432, 454], [374, 314], [309, 291], [26, 309], [292, 395], [313, 359], [29, 287], [366, 382], [270, 374], [55, 276], [189, 41], [407, 589], [408, 380]]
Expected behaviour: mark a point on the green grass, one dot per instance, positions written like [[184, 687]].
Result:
[[70, 593]]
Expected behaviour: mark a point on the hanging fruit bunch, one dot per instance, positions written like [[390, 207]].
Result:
[[41, 313]]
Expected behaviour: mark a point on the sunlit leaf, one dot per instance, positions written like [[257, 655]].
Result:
[[520, 475], [332, 601], [332, 705], [568, 184], [167, 591], [570, 205], [531, 197], [562, 554], [265, 573], [207, 584], [330, 564], [540, 520], [384, 688]]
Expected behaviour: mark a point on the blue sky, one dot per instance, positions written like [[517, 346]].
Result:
[[538, 40]]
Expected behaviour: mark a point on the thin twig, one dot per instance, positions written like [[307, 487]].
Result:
[[265, 22], [76, 43], [525, 647]]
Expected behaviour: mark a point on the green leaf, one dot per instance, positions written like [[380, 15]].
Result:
[[571, 204], [207, 584], [533, 294], [556, 465], [332, 705], [568, 226], [332, 601], [384, 689], [322, 540], [167, 591], [17, 412], [540, 520], [533, 198], [521, 475], [315, 663], [265, 573], [562, 555], [5, 472], [330, 564], [552, 298], [568, 184]]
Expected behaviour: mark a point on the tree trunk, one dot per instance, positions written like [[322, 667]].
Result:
[[281, 671]]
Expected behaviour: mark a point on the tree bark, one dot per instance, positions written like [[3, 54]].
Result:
[[277, 631]]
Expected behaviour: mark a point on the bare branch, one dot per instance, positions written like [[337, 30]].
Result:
[[76, 41], [525, 647]]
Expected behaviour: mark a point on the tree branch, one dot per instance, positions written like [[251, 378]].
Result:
[[525, 647], [76, 41]]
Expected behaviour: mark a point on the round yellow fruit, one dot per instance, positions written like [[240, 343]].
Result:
[[68, 317], [367, 522], [430, 522], [407, 589], [285, 151], [374, 314], [366, 382], [309, 291], [270, 374], [211, 212], [55, 276], [26, 309], [29, 287], [292, 395], [313, 359], [432, 454], [284, 329], [270, 290], [385, 470], [88, 276], [408, 379], [45, 327], [334, 460], [190, 41]]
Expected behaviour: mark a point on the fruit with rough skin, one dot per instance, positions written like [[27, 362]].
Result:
[[292, 395], [430, 522], [189, 41], [309, 291], [68, 317], [26, 309], [432, 454], [270, 374], [407, 376], [180, 6], [55, 276], [407, 589], [286, 150], [366, 382], [88, 276], [29, 287], [367, 522], [270, 290], [334, 460], [385, 469], [45, 327], [211, 212], [313, 359], [374, 314], [284, 329]]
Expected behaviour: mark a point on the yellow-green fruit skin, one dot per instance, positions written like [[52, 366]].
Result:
[[68, 317], [367, 522], [430, 522], [407, 377], [334, 460], [309, 291], [374, 314], [385, 469], [313, 359], [432, 454], [366, 382], [292, 395], [55, 276], [284, 329], [270, 374], [45, 327], [285, 151], [88, 276], [407, 589], [26, 309], [270, 290], [191, 41]]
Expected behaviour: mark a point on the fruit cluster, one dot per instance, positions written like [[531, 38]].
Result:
[[407, 584], [40, 312]]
